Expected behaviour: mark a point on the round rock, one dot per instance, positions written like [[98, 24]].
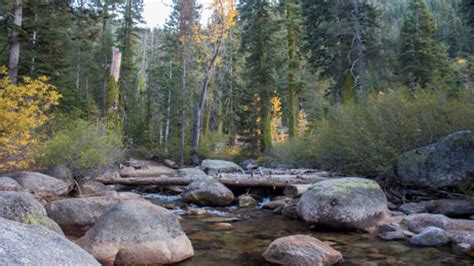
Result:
[[24, 208], [137, 232], [209, 192], [344, 203], [301, 250], [22, 244]]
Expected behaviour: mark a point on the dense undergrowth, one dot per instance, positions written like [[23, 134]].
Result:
[[366, 138]]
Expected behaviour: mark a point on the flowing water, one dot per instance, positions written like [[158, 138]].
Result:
[[257, 228]]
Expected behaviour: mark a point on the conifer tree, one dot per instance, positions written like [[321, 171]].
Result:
[[422, 59]]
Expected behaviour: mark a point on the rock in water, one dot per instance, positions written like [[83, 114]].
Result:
[[214, 167], [246, 200], [417, 222], [301, 250], [344, 203], [24, 208], [431, 237], [41, 184], [9, 184], [449, 162], [208, 191], [448, 207], [137, 232], [76, 216], [22, 244]]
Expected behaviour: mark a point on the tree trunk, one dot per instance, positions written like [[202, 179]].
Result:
[[360, 49], [202, 99], [14, 58], [182, 130], [292, 72]]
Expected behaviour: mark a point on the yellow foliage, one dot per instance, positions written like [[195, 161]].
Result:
[[23, 108]]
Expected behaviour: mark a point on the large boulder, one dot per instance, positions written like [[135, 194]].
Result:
[[447, 163], [448, 207], [9, 184], [41, 184], [344, 203], [208, 191], [91, 188], [22, 244], [24, 208], [77, 215], [417, 222], [214, 167], [137, 232], [301, 250], [62, 173]]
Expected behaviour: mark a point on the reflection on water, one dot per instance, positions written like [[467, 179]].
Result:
[[257, 228]]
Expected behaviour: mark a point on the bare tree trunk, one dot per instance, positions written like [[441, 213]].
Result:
[[202, 99], [15, 42], [33, 57], [168, 109], [183, 115]]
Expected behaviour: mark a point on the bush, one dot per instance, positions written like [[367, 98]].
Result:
[[293, 153], [24, 107], [366, 139], [82, 147]]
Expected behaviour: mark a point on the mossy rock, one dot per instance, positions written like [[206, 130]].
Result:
[[23, 207], [447, 163], [349, 203]]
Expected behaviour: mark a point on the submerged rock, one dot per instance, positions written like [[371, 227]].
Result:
[[22, 244], [214, 167], [222, 226], [40, 184], [208, 191], [431, 237], [137, 232], [246, 200], [76, 216], [9, 184], [344, 203], [448, 207], [393, 235], [24, 208], [449, 162], [301, 250]]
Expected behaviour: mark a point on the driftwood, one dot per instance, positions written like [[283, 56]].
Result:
[[231, 180], [296, 190]]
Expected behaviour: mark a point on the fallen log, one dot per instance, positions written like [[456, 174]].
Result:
[[261, 181], [296, 190]]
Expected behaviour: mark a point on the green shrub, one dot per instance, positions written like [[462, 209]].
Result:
[[82, 147], [292, 153], [366, 139], [215, 145]]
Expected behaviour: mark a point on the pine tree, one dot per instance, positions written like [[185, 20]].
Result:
[[422, 59], [257, 35], [341, 38]]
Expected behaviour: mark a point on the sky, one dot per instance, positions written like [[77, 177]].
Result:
[[157, 11]]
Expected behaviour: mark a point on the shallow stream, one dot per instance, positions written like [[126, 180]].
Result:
[[257, 228]]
